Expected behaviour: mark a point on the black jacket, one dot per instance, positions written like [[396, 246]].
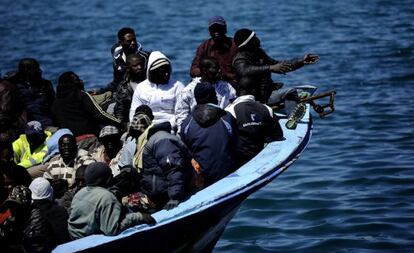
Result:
[[210, 133], [78, 111], [123, 99], [166, 166], [255, 65], [57, 218]]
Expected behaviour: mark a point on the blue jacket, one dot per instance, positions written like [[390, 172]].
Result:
[[166, 166], [211, 135]]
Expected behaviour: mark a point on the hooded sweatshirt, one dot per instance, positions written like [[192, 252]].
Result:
[[211, 136], [160, 97]]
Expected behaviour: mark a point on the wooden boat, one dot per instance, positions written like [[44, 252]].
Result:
[[197, 224]]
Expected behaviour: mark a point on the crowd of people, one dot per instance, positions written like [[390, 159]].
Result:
[[75, 162]]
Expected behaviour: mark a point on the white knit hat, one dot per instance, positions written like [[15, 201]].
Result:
[[41, 189]]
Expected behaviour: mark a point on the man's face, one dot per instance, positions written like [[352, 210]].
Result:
[[129, 43], [112, 144], [67, 148], [32, 72], [136, 67], [160, 75], [211, 73], [218, 32]]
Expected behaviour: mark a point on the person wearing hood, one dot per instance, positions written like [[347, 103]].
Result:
[[159, 91], [211, 135], [165, 165], [95, 210], [30, 148], [76, 110], [43, 199], [210, 73]]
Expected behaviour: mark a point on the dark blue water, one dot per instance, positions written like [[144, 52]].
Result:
[[353, 188]]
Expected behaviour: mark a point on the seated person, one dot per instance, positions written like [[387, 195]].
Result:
[[211, 135], [12, 114], [57, 217], [79, 183], [211, 74], [37, 93], [166, 168], [108, 152], [95, 210], [135, 75], [76, 110], [256, 123], [159, 91], [69, 160], [30, 148]]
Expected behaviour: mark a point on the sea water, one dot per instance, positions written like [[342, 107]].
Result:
[[352, 190]]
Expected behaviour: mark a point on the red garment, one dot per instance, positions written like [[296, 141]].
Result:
[[224, 56]]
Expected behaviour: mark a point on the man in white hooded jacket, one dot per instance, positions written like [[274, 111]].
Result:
[[159, 91]]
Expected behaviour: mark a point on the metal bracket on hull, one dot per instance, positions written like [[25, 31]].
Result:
[[322, 110]]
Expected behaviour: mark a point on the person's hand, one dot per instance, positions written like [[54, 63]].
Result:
[[310, 59], [281, 68], [171, 204], [148, 219]]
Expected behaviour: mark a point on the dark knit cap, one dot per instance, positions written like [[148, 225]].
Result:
[[241, 36], [98, 174], [205, 93]]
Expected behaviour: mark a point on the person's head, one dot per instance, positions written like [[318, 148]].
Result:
[[41, 189], [205, 93], [142, 119], [67, 147], [6, 149], [245, 86], [98, 174], [69, 81], [210, 70], [35, 134], [110, 137], [19, 200], [218, 28], [136, 67], [29, 70], [128, 40], [80, 176], [246, 39], [160, 71]]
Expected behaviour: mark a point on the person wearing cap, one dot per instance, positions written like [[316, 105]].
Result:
[[210, 73], [76, 110], [159, 91], [43, 199], [256, 123], [135, 73], [95, 210], [23, 228], [30, 148], [37, 93], [69, 160], [218, 46], [108, 152], [126, 45], [211, 135], [251, 61]]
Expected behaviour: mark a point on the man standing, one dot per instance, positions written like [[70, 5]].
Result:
[[127, 44], [218, 46]]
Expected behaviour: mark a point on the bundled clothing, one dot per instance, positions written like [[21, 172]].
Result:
[[166, 168], [25, 157], [256, 124], [161, 98], [38, 99], [224, 56], [76, 110], [211, 135], [186, 100], [256, 66]]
